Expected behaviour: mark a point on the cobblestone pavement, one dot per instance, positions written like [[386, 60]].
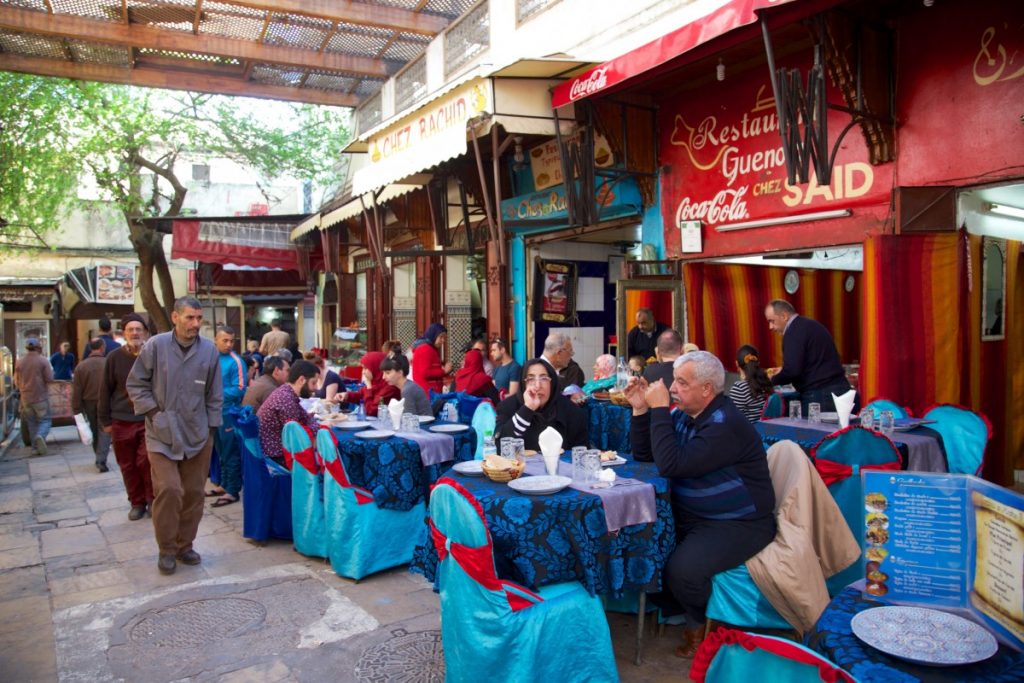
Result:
[[81, 598]]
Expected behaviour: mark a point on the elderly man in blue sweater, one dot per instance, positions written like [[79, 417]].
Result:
[[722, 495]]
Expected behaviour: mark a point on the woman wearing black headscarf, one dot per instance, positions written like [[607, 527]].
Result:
[[540, 405]]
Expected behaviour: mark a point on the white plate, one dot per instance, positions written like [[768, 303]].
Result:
[[375, 434], [924, 636], [538, 486], [470, 468], [425, 418], [619, 460], [449, 428], [351, 424]]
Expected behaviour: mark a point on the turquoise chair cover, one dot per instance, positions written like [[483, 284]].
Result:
[[494, 630], [484, 419], [772, 407], [736, 600], [965, 434], [878, 405], [859, 449], [267, 494], [308, 527], [362, 538], [727, 656]]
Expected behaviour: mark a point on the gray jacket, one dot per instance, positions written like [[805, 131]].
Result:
[[185, 387]]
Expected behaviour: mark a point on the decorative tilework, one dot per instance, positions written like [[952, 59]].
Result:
[[460, 332]]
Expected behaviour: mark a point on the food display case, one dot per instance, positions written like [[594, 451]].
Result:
[[348, 344]]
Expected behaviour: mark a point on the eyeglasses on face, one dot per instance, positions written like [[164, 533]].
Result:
[[537, 379]]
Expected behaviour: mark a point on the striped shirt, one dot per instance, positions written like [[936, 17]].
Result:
[[751, 406]]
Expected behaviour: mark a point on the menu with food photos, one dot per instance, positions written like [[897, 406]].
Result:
[[115, 284], [949, 541]]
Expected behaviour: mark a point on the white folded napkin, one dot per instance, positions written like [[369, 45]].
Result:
[[844, 406], [550, 442], [395, 409], [606, 475]]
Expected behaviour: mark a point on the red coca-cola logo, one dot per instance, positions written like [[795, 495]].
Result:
[[582, 87], [724, 207]]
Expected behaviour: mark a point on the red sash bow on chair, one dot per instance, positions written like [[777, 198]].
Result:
[[832, 472], [337, 472], [308, 459]]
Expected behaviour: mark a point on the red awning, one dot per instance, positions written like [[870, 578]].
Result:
[[257, 243], [732, 15]]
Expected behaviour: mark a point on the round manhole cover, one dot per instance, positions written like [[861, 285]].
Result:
[[408, 657], [197, 622]]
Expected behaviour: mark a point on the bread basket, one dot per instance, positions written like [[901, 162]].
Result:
[[505, 474], [618, 398]]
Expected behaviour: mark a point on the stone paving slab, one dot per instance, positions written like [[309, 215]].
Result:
[[72, 540], [22, 582], [20, 557]]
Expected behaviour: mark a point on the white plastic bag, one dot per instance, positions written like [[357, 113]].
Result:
[[84, 431]]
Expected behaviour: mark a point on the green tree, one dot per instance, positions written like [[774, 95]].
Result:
[[55, 132]]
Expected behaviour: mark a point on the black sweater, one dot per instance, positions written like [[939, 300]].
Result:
[[809, 357]]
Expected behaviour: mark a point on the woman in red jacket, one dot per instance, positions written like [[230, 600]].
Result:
[[376, 389], [427, 370], [472, 378]]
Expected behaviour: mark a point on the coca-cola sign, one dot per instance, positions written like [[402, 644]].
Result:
[[590, 84]]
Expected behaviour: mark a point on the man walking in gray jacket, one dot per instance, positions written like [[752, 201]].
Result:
[[176, 384]]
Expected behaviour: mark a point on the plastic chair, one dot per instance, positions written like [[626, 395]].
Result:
[[877, 405], [267, 493], [965, 435], [484, 420], [728, 655], [362, 538], [308, 527], [839, 459], [495, 630]]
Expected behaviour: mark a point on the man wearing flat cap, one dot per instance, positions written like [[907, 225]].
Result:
[[32, 374]]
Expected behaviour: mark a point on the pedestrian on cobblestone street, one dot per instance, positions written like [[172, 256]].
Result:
[[85, 398], [126, 429], [32, 374], [176, 383]]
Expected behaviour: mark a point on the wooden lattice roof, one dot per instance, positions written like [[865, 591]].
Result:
[[320, 51]]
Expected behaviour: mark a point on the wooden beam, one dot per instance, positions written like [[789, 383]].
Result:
[[361, 13], [173, 80], [134, 35]]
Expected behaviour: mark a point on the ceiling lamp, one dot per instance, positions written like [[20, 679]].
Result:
[[1008, 211]]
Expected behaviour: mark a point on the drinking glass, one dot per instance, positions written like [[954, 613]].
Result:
[[794, 410], [410, 422], [512, 448], [814, 412], [579, 472], [867, 419], [591, 466], [887, 422], [383, 418]]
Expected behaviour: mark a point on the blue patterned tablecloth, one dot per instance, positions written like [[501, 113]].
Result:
[[609, 426], [392, 468], [833, 637], [543, 540]]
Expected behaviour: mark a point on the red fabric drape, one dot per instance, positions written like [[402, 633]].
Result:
[[832, 472]]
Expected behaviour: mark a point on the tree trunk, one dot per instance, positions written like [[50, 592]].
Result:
[[148, 246]]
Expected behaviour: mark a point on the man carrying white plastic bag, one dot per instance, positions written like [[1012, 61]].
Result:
[[86, 385]]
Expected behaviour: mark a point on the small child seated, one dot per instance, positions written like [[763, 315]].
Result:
[[637, 365]]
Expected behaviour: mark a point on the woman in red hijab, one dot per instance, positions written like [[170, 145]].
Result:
[[472, 378], [376, 389]]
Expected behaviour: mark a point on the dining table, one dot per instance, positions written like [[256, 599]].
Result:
[[541, 540], [833, 636], [608, 425], [399, 470], [920, 448]]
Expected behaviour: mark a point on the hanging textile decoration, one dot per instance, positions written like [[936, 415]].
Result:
[[555, 291]]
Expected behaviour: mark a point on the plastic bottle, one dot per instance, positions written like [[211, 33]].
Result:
[[489, 447], [621, 375], [451, 412], [360, 411]]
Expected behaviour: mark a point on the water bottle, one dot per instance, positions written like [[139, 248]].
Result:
[[360, 411], [489, 447], [451, 412], [621, 375]]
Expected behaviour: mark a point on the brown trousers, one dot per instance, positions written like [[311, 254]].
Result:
[[178, 495]]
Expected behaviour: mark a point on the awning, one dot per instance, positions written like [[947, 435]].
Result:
[[725, 16], [354, 207], [245, 241], [308, 225], [436, 130]]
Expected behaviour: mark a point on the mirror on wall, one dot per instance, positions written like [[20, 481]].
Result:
[[664, 298], [993, 289]]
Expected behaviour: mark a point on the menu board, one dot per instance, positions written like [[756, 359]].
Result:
[[115, 284], [946, 540]]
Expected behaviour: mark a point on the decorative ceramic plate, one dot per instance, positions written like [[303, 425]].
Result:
[[352, 424], [924, 636], [375, 434], [470, 468], [449, 428], [538, 486], [619, 460], [425, 418]]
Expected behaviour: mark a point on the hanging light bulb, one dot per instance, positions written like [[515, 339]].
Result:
[[720, 70], [518, 155]]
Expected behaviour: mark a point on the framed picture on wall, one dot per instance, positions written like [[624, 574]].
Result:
[[993, 289]]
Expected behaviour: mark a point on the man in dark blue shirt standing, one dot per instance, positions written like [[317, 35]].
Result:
[[722, 495], [63, 362], [810, 361], [108, 339]]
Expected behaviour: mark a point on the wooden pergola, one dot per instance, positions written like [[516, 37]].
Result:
[[330, 52]]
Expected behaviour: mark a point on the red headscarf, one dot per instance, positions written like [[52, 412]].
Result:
[[471, 378], [378, 390]]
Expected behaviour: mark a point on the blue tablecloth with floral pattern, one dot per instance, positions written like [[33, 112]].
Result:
[[833, 637], [543, 540], [392, 469], [609, 426]]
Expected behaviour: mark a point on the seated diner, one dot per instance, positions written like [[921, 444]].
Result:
[[282, 406], [540, 405]]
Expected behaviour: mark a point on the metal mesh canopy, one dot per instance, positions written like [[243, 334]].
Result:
[[318, 51]]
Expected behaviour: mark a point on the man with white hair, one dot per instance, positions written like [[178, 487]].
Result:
[[722, 496], [558, 353]]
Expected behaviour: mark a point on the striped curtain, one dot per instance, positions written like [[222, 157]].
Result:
[[725, 308]]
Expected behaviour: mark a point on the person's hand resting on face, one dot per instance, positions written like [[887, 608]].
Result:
[[657, 395], [635, 393]]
